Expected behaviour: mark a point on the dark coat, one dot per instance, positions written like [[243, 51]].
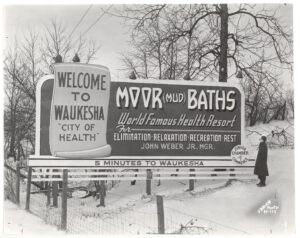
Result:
[[261, 167]]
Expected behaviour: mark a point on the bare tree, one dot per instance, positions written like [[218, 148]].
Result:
[[56, 41], [27, 61], [220, 41], [222, 35], [265, 96], [290, 101]]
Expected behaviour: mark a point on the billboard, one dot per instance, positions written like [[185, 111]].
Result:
[[174, 119], [138, 123]]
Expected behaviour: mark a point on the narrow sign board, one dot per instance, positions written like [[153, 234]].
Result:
[[96, 122], [79, 111]]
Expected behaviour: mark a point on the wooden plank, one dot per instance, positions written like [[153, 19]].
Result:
[[138, 157], [204, 178], [57, 174], [141, 171], [86, 173], [206, 172], [86, 178], [75, 169], [99, 163]]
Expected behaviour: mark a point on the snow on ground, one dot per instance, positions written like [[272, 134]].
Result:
[[241, 206], [218, 207], [19, 222], [214, 207], [225, 209]]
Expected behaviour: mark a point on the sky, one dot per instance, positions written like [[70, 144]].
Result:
[[111, 33]]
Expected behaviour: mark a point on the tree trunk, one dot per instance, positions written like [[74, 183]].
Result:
[[12, 128], [283, 111], [224, 43], [266, 115]]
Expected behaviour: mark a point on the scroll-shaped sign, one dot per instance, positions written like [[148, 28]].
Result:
[[79, 111]]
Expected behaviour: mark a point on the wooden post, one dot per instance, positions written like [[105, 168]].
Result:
[[18, 183], [102, 193], [55, 193], [29, 174], [160, 214], [48, 188], [192, 181], [64, 200], [148, 182]]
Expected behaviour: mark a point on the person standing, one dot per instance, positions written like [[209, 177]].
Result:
[[261, 166]]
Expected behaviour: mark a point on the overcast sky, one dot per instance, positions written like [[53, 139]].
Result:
[[110, 32]]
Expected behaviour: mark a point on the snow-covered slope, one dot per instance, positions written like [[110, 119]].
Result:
[[214, 207], [19, 222], [219, 206]]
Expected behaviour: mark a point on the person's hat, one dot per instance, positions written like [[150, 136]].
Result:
[[264, 138]]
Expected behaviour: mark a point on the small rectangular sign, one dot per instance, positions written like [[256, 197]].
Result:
[[152, 162]]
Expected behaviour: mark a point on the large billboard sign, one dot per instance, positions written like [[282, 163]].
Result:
[[84, 116], [174, 119]]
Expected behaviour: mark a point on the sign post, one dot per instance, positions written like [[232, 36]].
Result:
[[148, 182], [64, 200], [192, 181], [29, 176], [160, 214], [18, 168]]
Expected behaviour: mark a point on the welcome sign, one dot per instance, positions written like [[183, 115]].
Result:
[[79, 111], [136, 123]]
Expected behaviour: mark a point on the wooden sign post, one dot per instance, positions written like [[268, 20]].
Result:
[[64, 200], [29, 176], [160, 214]]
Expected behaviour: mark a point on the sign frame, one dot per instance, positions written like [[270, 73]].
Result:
[[38, 160]]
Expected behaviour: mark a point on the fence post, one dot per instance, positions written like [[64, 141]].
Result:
[[64, 200], [160, 214], [18, 167], [48, 191], [55, 193], [191, 181], [29, 174], [148, 182], [102, 193]]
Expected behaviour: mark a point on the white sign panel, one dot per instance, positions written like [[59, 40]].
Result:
[[79, 111]]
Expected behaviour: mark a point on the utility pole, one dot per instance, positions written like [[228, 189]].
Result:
[[224, 43]]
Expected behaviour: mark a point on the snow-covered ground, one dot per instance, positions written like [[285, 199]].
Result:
[[218, 207], [19, 222], [214, 207]]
